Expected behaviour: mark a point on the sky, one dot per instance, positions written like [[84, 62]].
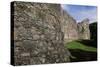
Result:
[[80, 12]]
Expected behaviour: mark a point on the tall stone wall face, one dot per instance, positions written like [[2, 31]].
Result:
[[73, 30], [69, 27], [38, 37]]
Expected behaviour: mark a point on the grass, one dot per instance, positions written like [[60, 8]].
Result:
[[80, 46], [82, 50]]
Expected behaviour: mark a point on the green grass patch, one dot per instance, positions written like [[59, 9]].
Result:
[[80, 46]]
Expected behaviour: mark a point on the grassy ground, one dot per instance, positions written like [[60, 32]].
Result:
[[82, 50]]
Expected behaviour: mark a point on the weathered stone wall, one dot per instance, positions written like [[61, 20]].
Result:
[[38, 37], [74, 30], [69, 27]]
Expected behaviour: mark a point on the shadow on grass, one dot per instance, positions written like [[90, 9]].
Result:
[[92, 43], [82, 50], [80, 55]]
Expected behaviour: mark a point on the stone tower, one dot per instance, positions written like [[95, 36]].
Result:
[[84, 31]]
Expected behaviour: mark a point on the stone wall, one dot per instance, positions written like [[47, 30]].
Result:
[[74, 30], [69, 27], [38, 37]]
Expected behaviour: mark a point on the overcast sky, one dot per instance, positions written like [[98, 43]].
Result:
[[80, 12]]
